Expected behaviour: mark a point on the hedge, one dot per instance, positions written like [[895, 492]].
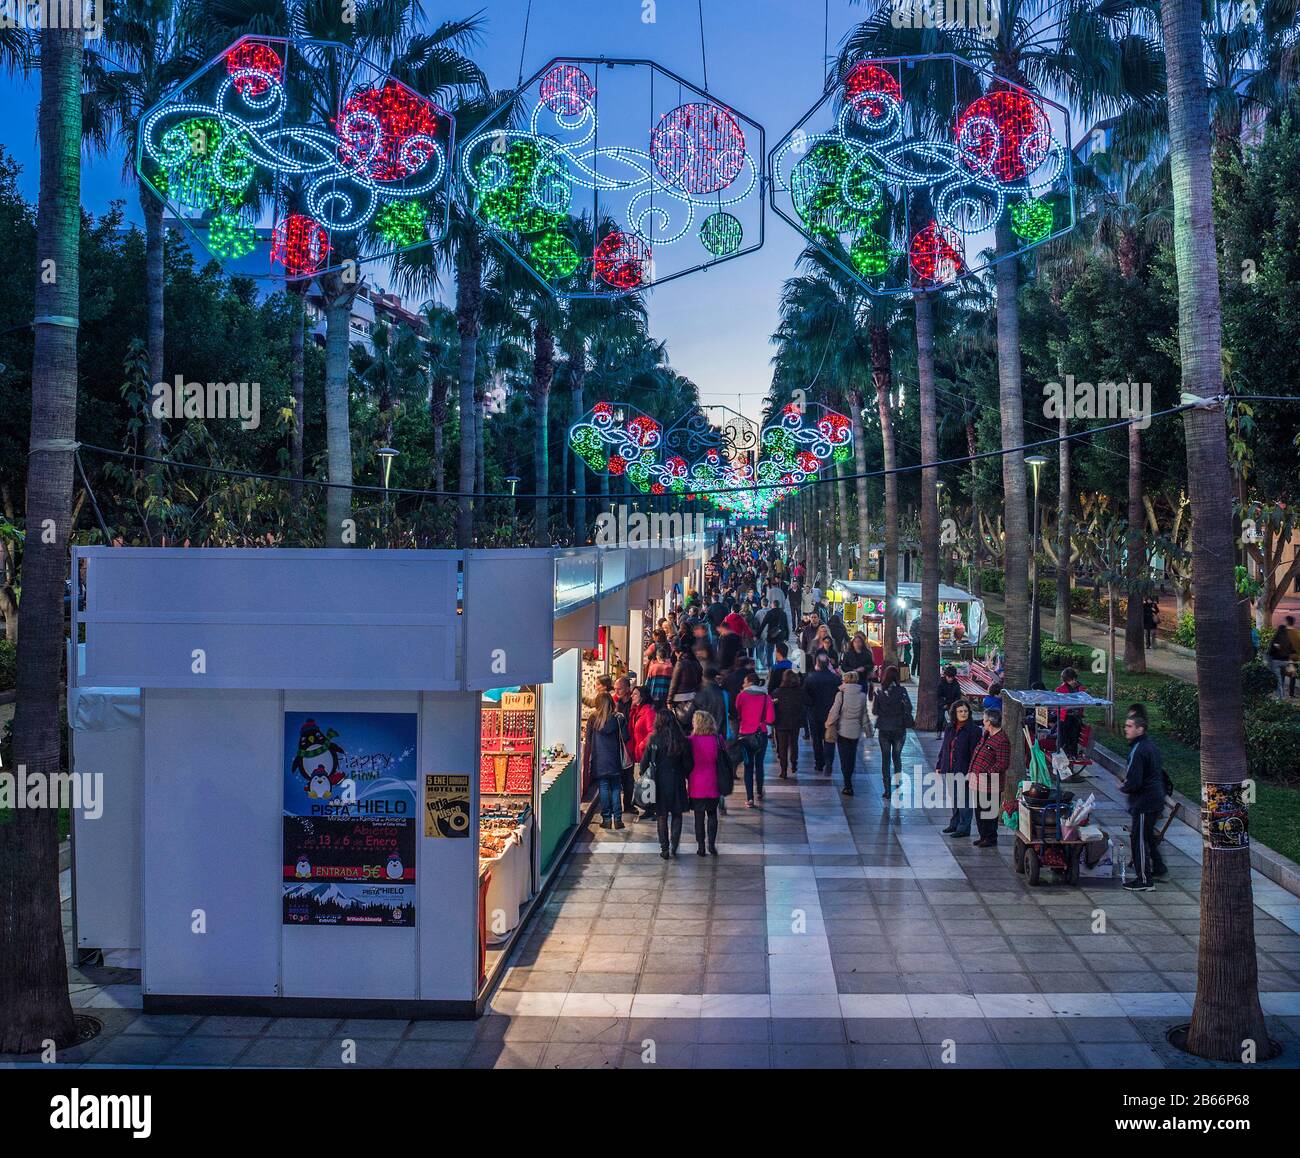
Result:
[[1185, 631], [1272, 728], [8, 665]]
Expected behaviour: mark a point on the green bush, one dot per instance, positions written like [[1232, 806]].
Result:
[[1185, 632], [8, 665], [1182, 708], [1080, 600], [1273, 746], [1258, 684], [1058, 656], [994, 636], [992, 580]]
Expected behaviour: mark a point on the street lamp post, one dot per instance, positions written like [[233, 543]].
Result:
[[386, 455], [1037, 461]]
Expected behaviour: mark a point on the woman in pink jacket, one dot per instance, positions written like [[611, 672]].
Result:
[[754, 715]]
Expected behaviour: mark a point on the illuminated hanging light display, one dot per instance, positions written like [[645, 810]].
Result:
[[622, 260], [229, 148], [722, 234], [680, 192], [1032, 220], [864, 175], [300, 244], [791, 452], [231, 237]]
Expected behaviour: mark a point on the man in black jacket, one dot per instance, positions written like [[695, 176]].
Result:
[[1145, 787], [820, 688]]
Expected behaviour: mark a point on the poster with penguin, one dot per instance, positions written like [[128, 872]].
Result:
[[350, 818]]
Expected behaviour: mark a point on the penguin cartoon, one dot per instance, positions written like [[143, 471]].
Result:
[[315, 747], [395, 869], [319, 785], [302, 868]]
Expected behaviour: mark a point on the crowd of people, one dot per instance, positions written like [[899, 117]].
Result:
[[757, 660], [760, 659]]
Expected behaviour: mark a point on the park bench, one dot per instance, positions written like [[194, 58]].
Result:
[[980, 678]]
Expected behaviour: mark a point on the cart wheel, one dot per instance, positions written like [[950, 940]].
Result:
[[1033, 866], [1072, 873], [1018, 856]]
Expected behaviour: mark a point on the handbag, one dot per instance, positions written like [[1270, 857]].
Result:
[[752, 742], [832, 732], [725, 773], [624, 753]]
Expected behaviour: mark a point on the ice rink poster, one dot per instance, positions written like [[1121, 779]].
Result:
[[350, 818]]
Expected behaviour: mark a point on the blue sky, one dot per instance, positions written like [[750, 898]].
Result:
[[765, 57]]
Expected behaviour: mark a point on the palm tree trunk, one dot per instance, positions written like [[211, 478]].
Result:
[[578, 375], [297, 325], [1064, 570], [480, 438], [1014, 493], [154, 286], [469, 307], [860, 483], [977, 535], [543, 376], [882, 376], [1135, 656], [927, 633], [34, 1003], [1226, 1013], [338, 296], [846, 531]]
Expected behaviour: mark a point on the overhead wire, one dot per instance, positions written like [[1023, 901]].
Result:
[[961, 460]]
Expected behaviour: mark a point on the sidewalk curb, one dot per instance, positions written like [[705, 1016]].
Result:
[[1263, 859]]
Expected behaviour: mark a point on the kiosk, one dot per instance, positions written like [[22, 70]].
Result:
[[297, 749]]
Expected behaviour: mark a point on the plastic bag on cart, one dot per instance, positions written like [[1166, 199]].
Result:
[[1061, 765], [1097, 859]]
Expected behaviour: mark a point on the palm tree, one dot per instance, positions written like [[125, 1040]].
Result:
[[1227, 1012], [927, 650], [442, 357], [149, 49], [435, 65], [1094, 52], [34, 1004]]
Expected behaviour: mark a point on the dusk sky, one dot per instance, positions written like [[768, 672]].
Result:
[[765, 57]]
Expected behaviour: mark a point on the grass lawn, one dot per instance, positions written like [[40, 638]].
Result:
[[1275, 815]]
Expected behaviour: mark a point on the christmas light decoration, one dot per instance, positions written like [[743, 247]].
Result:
[[229, 148], [698, 148], [300, 244], [231, 237], [622, 260], [681, 191], [934, 259], [404, 223], [555, 256], [791, 452], [721, 234], [1032, 220], [865, 172]]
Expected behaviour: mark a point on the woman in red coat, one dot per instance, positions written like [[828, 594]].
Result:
[[641, 722]]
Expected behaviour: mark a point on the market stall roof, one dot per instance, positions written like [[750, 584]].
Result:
[[1055, 699], [875, 589]]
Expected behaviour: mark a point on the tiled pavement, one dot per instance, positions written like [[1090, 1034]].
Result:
[[829, 932]]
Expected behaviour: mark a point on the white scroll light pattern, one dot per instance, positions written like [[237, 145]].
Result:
[[268, 143]]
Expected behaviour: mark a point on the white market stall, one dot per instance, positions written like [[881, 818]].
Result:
[[292, 741]]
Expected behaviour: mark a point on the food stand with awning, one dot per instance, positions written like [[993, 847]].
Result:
[[962, 621]]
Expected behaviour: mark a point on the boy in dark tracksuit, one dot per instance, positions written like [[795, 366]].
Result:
[[1145, 788]]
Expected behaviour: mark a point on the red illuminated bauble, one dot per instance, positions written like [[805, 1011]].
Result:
[[864, 86], [935, 260], [604, 409], [622, 260], [386, 132], [657, 488], [643, 430], [567, 90], [300, 244], [698, 148], [1006, 133], [808, 462], [260, 58], [617, 464]]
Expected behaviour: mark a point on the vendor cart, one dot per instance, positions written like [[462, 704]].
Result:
[[1043, 839]]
